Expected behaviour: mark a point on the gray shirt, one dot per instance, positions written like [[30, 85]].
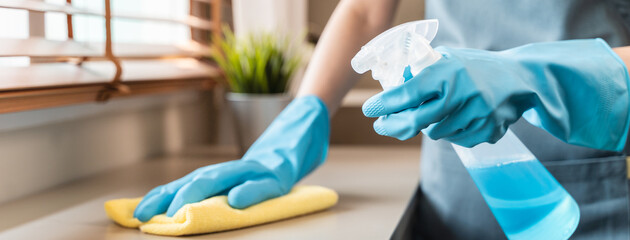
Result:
[[596, 179], [503, 24]]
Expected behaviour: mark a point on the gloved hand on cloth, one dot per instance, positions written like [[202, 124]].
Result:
[[292, 146]]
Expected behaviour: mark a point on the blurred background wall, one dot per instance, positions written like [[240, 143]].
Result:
[[44, 148]]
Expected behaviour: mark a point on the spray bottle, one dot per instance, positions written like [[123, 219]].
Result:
[[526, 200]]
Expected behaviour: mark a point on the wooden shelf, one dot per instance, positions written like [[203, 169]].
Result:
[[99, 72], [57, 84]]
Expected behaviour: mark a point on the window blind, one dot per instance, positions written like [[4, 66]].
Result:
[[69, 71]]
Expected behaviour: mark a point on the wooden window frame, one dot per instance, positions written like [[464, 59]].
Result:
[[68, 72]]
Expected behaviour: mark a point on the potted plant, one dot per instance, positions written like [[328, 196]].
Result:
[[257, 70]]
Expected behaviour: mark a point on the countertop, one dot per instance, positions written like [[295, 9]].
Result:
[[374, 184]]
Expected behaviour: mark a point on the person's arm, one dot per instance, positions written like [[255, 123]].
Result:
[[296, 142], [624, 54], [329, 75]]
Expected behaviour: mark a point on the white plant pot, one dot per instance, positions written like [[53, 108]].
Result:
[[253, 113]]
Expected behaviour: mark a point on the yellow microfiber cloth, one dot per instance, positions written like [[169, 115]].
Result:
[[214, 214]]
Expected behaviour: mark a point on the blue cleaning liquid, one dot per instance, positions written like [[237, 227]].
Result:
[[527, 201]]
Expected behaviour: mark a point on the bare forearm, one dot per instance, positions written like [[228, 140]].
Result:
[[354, 22], [624, 54]]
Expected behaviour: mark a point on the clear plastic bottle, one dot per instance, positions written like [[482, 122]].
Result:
[[527, 201]]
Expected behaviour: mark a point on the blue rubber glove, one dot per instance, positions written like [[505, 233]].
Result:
[[292, 146], [576, 90]]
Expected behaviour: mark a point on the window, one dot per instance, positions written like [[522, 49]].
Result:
[[58, 52], [17, 30]]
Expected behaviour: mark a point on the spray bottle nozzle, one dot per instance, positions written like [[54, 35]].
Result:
[[389, 53], [364, 60]]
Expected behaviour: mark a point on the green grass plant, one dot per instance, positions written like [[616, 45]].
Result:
[[257, 63]]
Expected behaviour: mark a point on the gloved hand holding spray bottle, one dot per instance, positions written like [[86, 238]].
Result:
[[527, 201]]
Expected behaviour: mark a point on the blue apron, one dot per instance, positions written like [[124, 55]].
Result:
[[449, 201]]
